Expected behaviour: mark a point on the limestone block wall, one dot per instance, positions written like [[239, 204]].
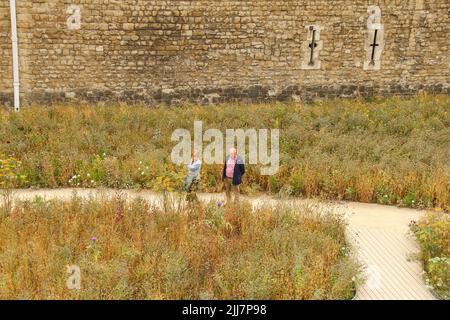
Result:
[[207, 51], [5, 52]]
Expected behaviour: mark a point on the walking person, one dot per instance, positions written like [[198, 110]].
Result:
[[233, 171], [192, 179]]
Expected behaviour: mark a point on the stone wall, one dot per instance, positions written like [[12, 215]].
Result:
[[207, 51], [5, 53]]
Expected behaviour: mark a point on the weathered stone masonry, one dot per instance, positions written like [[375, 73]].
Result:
[[220, 50]]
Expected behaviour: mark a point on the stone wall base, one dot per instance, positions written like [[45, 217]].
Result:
[[205, 96]]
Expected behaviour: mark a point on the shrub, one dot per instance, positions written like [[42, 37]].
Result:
[[10, 174], [433, 234], [10, 177]]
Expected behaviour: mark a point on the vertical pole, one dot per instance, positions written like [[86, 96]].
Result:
[[15, 55]]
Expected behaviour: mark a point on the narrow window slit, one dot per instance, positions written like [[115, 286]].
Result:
[[312, 45], [374, 45]]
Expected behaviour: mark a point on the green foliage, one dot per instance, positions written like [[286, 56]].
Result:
[[10, 174], [170, 179], [439, 272], [433, 234]]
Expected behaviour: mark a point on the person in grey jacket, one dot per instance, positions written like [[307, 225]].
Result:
[[193, 177]]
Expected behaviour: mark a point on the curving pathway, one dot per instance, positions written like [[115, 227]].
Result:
[[379, 234]]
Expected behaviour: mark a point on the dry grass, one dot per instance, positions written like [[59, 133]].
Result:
[[389, 151], [142, 252]]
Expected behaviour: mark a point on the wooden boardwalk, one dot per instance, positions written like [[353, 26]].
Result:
[[378, 233], [381, 237]]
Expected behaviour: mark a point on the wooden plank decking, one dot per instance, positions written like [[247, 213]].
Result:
[[384, 245]]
